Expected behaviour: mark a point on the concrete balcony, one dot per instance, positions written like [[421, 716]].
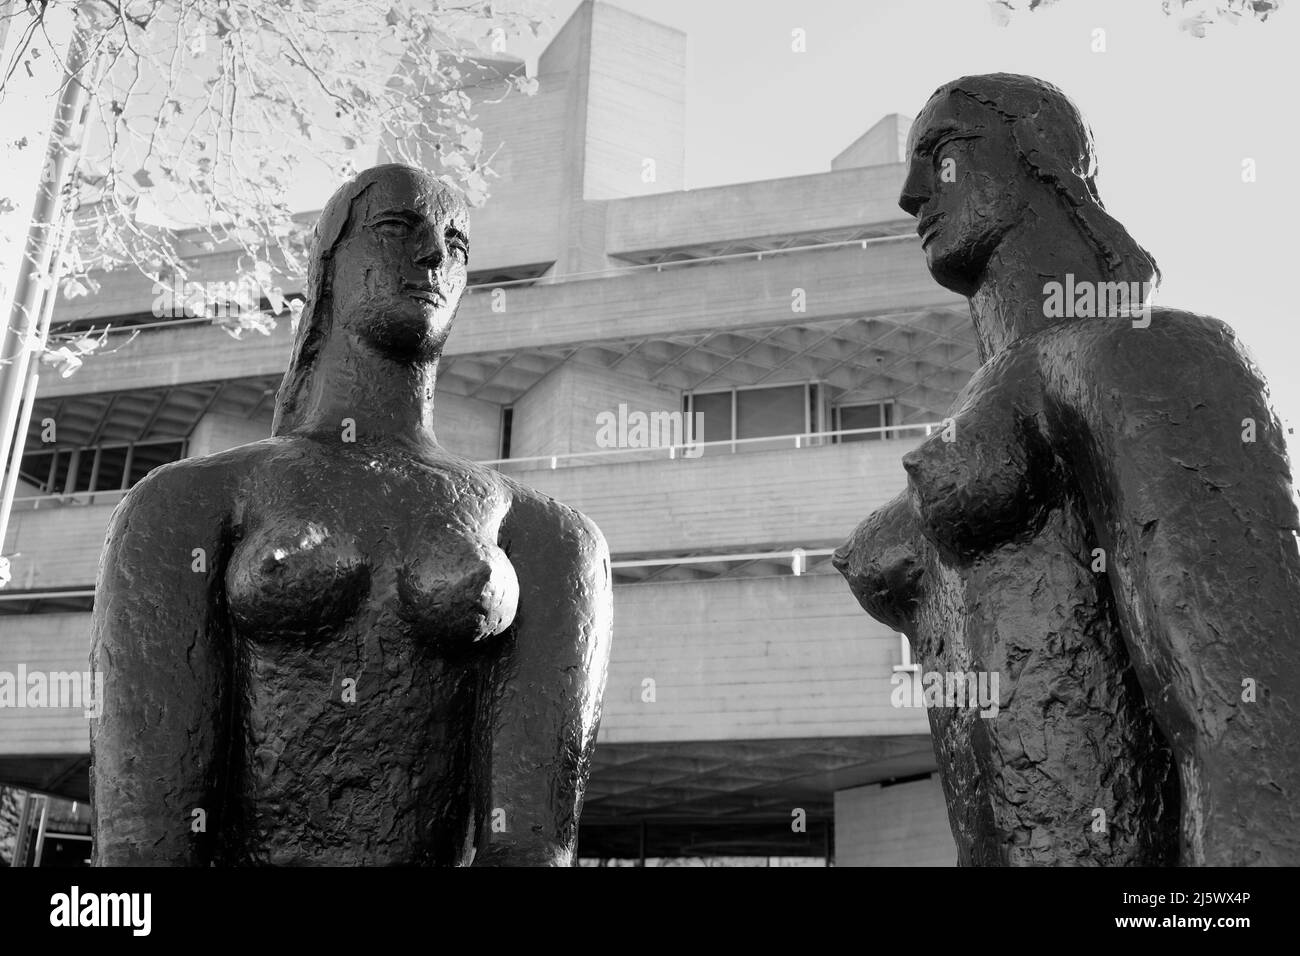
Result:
[[740, 659], [880, 278], [57, 545], [806, 497], [48, 643], [822, 203]]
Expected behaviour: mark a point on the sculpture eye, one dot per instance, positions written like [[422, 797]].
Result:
[[943, 148], [393, 227], [457, 247]]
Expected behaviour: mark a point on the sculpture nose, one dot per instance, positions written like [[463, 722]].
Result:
[[430, 248], [915, 193]]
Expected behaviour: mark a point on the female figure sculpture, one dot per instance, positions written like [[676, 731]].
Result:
[[1107, 522], [343, 644]]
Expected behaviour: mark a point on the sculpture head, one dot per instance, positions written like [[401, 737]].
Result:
[[988, 153], [388, 266]]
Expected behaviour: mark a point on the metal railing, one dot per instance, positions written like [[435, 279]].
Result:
[[683, 451], [687, 450]]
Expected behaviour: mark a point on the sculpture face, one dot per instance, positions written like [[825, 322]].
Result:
[[401, 265], [964, 185]]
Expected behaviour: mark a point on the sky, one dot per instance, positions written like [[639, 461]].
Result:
[[1174, 119]]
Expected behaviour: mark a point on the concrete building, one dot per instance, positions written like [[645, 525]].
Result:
[[748, 710]]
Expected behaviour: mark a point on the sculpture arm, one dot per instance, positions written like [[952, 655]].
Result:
[[546, 689], [161, 646], [1198, 525]]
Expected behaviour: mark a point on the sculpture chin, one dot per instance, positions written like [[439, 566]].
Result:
[[416, 333], [959, 264]]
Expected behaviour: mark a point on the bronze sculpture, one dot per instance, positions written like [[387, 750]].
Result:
[[1106, 520], [343, 644]]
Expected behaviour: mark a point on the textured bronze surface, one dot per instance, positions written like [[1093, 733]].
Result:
[[1107, 523], [343, 644]]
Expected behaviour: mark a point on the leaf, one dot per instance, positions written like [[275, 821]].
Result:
[[63, 358]]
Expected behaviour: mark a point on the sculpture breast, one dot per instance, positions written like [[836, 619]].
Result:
[[296, 579]]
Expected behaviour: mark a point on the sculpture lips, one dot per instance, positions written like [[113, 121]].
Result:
[[424, 292], [927, 224]]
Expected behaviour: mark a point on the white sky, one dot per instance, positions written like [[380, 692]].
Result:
[[1173, 116]]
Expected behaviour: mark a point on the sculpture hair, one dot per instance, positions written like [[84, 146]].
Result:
[[1055, 145], [318, 313]]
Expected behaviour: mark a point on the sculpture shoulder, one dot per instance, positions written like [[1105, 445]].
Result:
[[199, 487], [1166, 345], [544, 518]]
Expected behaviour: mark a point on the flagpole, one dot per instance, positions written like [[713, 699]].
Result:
[[19, 341]]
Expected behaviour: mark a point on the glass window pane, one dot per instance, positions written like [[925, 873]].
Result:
[[716, 409], [111, 460], [148, 457], [860, 416], [770, 411]]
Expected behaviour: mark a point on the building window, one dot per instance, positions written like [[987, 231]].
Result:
[[507, 420], [751, 413], [873, 415], [108, 467]]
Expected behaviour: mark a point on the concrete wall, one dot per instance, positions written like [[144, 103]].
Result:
[[636, 105], [467, 426], [745, 659], [44, 642], [519, 224], [881, 280], [821, 202], [216, 432], [718, 501], [901, 825], [560, 413], [885, 142], [738, 659], [812, 497]]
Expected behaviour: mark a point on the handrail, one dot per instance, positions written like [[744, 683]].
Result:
[[757, 254], [723, 558], [797, 556], [801, 440]]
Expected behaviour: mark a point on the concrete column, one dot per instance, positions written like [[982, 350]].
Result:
[[905, 824], [216, 432]]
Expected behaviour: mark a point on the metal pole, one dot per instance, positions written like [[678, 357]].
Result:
[[60, 155], [10, 486], [40, 831], [24, 824]]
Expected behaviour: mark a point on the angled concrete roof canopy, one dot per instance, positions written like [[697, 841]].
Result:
[[885, 142]]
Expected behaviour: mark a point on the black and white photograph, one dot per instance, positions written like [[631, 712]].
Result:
[[643, 434]]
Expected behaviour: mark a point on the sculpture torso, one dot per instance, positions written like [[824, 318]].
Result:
[[364, 585], [1015, 595], [381, 653], [987, 563]]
